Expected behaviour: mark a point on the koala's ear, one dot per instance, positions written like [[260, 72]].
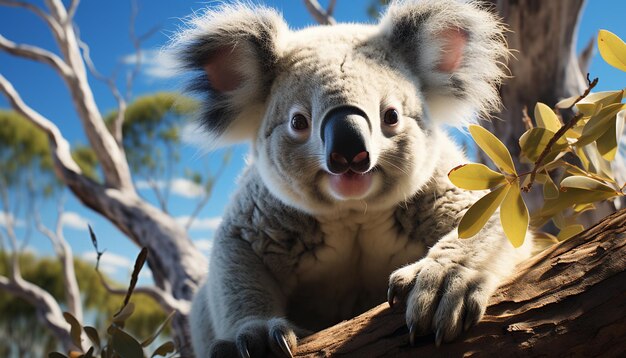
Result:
[[454, 49], [233, 52]]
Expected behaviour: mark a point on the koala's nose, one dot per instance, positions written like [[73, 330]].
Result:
[[345, 134]]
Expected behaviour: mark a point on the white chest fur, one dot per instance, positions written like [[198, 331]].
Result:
[[359, 252]]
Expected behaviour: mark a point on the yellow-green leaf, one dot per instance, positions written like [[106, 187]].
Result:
[[475, 176], [567, 102], [612, 49], [550, 190], [600, 123], [567, 199], [585, 183], [569, 231], [607, 143], [535, 140], [514, 216], [493, 148], [598, 165], [546, 118], [479, 213], [604, 98]]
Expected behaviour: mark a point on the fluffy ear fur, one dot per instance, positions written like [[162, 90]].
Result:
[[454, 49], [233, 51]]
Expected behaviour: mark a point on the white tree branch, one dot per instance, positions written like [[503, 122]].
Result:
[[162, 297], [37, 54], [323, 17], [52, 23], [66, 257], [44, 303], [71, 10]]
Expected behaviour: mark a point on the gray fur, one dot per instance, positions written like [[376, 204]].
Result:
[[293, 255]]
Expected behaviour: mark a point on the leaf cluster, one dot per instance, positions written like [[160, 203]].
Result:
[[120, 343], [591, 137]]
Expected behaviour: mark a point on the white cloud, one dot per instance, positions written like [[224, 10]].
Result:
[[204, 245], [5, 219], [185, 187], [179, 186], [155, 63], [201, 223], [73, 220], [110, 263]]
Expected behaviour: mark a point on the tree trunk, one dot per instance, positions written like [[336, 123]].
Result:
[[569, 300]]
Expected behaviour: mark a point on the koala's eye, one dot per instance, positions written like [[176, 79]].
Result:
[[391, 117], [299, 122]]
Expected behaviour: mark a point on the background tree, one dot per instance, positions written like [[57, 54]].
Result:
[[177, 269]]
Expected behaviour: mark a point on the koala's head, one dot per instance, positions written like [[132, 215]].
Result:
[[343, 115]]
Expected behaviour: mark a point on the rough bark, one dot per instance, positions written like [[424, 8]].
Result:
[[569, 300]]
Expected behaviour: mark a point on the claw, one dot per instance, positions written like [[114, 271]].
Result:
[[243, 350], [438, 337], [282, 343], [412, 334], [391, 296]]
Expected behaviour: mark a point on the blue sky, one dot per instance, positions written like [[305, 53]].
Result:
[[104, 26]]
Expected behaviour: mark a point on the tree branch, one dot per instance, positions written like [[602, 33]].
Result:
[[37, 54], [566, 301], [323, 17], [71, 10], [66, 257], [44, 303], [52, 23], [164, 298]]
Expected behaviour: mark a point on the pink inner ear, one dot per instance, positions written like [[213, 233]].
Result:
[[221, 71], [454, 41]]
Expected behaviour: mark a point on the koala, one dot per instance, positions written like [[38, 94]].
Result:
[[345, 200]]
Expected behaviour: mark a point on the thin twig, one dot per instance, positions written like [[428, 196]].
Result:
[[323, 17], [51, 21], [560, 133]]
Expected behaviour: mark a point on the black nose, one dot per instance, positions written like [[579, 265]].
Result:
[[345, 133]]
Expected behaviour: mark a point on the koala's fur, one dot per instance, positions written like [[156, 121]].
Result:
[[294, 254]]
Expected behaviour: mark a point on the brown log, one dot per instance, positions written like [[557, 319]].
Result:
[[569, 300]]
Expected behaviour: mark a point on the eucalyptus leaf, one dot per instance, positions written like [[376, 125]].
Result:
[[475, 176], [493, 147], [514, 216], [478, 214], [546, 118], [612, 49]]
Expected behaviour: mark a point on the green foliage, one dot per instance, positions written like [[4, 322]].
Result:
[[151, 123], [22, 147], [87, 160], [46, 273], [591, 136], [120, 343]]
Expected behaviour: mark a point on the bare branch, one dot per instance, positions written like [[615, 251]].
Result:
[[37, 54], [71, 11], [164, 298], [110, 82], [331, 7], [205, 199], [52, 23], [44, 303], [320, 15]]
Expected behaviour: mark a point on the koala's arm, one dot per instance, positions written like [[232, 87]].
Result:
[[241, 307], [447, 291]]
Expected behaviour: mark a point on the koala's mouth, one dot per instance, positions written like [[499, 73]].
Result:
[[351, 185]]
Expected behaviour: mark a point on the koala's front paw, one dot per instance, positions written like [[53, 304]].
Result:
[[259, 338], [441, 297]]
